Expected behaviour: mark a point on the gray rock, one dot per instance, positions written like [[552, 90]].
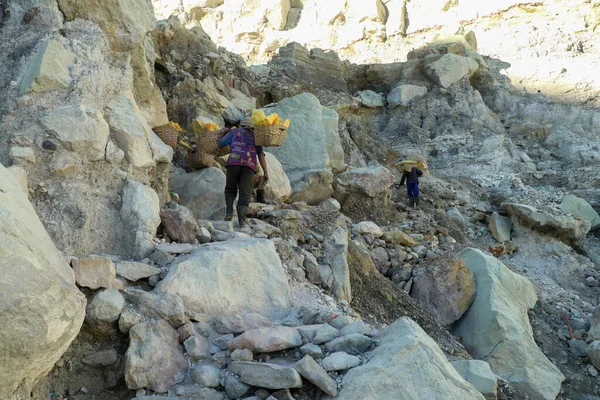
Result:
[[309, 171], [567, 229], [94, 273], [175, 248], [577, 206], [197, 392], [308, 332], [373, 181], [367, 227], [451, 68], [79, 129], [197, 347], [408, 364], [500, 227], [206, 376], [240, 323], [355, 327], [340, 321], [312, 268], [370, 99], [496, 327], [593, 352], [125, 23], [283, 394], [161, 258], [179, 223], [340, 361], [579, 347], [200, 191], [203, 235], [354, 344], [405, 95], [336, 247], [49, 68], [312, 350], [158, 305], [100, 358], [134, 271], [457, 217], [106, 306], [221, 341], [594, 331], [325, 334], [315, 374], [446, 287], [479, 374], [234, 388], [265, 375], [265, 340], [242, 355], [330, 205], [154, 359], [140, 214], [208, 280]]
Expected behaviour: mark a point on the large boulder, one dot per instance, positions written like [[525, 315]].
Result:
[[154, 359], [564, 227], [479, 374], [500, 227], [179, 223], [496, 328], [304, 154], [405, 95], [200, 191], [237, 276], [336, 247], [133, 135], [278, 188], [451, 68], [124, 22], [371, 181], [407, 364], [41, 310], [79, 129], [49, 69], [140, 214], [445, 287], [577, 206]]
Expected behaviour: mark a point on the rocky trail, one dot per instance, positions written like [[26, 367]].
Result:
[[119, 279]]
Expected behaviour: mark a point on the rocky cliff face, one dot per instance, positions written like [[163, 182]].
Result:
[[338, 275]]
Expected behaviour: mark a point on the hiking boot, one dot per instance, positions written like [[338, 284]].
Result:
[[260, 196], [229, 208], [417, 203], [411, 201], [242, 211]]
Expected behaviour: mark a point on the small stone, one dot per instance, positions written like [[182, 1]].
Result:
[[185, 331], [592, 371], [355, 327], [203, 235], [579, 347], [221, 341], [161, 258], [352, 344], [196, 347], [325, 333], [593, 352], [175, 248], [49, 145], [242, 355], [340, 321], [206, 375], [312, 350], [234, 387], [134, 271], [100, 358], [340, 361], [315, 374], [266, 375], [94, 273]]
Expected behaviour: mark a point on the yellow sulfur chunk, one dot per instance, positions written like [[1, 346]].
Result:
[[211, 127]]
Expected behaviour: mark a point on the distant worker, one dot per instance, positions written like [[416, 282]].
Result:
[[411, 174], [242, 166]]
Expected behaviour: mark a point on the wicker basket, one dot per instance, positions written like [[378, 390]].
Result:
[[209, 143], [168, 134], [199, 159], [272, 135]]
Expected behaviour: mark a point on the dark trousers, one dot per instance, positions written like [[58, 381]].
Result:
[[242, 179], [413, 189]]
